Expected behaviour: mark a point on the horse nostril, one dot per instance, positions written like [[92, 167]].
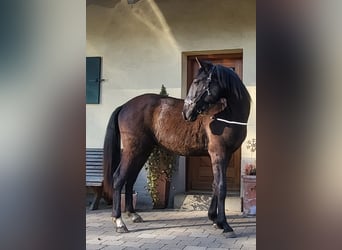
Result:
[[185, 117]]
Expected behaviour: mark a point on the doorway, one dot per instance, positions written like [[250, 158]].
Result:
[[199, 176]]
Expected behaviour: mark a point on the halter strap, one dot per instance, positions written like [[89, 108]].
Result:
[[209, 80]]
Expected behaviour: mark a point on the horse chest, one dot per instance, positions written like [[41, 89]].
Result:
[[183, 139]]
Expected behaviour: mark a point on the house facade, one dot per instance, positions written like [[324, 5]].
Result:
[[155, 42]]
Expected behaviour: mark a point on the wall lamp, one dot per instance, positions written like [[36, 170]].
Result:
[[132, 1]]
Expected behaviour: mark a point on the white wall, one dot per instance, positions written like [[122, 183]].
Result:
[[142, 48]]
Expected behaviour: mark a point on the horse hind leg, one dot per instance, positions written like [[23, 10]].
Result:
[[119, 180], [127, 172], [136, 218]]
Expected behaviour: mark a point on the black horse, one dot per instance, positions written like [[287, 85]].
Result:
[[210, 121]]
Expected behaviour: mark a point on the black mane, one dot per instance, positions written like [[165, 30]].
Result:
[[231, 82]]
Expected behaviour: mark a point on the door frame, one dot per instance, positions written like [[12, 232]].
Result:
[[233, 54], [186, 54]]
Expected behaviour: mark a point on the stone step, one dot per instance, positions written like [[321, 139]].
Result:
[[200, 202]]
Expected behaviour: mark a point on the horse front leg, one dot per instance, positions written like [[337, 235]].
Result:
[[212, 212], [219, 196]]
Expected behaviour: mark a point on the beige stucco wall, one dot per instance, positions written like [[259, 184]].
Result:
[[142, 48]]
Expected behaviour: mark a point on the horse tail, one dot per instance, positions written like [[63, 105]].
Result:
[[111, 152]]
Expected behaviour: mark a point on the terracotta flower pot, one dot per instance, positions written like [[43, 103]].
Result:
[[163, 190], [249, 194]]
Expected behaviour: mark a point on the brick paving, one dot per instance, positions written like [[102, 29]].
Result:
[[167, 230]]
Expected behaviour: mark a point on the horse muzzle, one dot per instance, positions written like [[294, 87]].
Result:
[[189, 112], [188, 118]]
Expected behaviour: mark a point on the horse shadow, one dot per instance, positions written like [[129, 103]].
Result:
[[180, 224]]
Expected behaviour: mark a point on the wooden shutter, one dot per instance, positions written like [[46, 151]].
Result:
[[93, 80]]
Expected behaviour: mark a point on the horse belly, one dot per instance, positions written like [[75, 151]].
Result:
[[184, 145]]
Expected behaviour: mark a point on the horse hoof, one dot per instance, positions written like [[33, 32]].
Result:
[[120, 225], [121, 230], [230, 234], [216, 226], [137, 219]]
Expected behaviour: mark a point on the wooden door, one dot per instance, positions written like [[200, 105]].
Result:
[[199, 171]]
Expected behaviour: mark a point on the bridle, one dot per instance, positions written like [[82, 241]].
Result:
[[206, 90], [209, 80]]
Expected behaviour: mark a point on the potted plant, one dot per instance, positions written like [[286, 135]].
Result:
[[249, 182], [160, 166]]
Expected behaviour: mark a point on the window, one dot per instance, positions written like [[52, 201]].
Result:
[[93, 68]]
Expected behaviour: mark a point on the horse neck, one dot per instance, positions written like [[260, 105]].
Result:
[[235, 93], [237, 109]]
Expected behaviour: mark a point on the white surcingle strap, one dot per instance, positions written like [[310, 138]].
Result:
[[229, 122]]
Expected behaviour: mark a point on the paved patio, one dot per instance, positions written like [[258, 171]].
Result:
[[168, 229]]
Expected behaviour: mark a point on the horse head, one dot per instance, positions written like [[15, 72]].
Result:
[[204, 90]]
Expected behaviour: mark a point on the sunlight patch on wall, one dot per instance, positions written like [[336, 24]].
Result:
[[153, 18]]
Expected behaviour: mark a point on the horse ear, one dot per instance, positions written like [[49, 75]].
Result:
[[199, 64], [206, 65]]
